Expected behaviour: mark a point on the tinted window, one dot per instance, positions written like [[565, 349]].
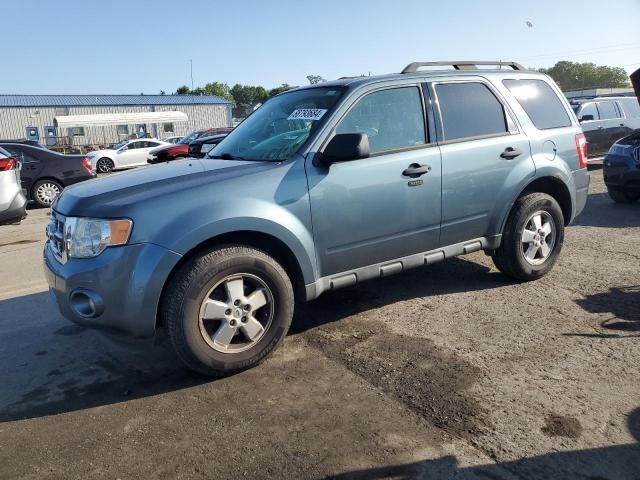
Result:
[[631, 107], [541, 103], [152, 144], [391, 118], [607, 110], [589, 109], [469, 110]]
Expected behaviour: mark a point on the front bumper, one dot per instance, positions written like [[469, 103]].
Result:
[[119, 290], [622, 172]]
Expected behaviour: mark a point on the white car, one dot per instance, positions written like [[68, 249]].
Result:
[[173, 139], [131, 153]]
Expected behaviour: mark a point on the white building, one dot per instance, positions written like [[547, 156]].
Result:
[[36, 116]]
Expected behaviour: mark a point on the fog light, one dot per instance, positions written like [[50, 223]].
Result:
[[87, 304]]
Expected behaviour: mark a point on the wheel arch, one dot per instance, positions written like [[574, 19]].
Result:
[[266, 242], [552, 186]]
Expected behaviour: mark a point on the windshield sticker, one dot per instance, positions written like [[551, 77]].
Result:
[[307, 114]]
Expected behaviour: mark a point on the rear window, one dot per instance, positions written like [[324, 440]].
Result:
[[469, 110], [541, 103], [607, 110]]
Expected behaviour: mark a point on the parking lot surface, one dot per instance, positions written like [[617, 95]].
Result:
[[442, 371]]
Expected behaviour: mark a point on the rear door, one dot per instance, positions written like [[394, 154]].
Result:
[[611, 121], [481, 146]]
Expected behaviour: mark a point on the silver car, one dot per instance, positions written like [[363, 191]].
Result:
[[13, 203]]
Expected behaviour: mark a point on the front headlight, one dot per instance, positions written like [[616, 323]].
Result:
[[88, 237]]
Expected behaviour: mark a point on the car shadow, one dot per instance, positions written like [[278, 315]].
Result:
[[452, 276], [623, 303], [603, 212], [605, 463], [51, 366]]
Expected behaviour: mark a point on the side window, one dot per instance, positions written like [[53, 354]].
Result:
[[588, 109], [152, 144], [134, 145], [607, 110], [392, 119], [20, 155], [540, 102], [631, 107], [469, 110]]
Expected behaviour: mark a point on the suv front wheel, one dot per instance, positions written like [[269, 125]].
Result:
[[532, 238], [225, 310]]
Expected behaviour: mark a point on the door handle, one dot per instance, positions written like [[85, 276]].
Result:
[[415, 170], [600, 128], [510, 153]]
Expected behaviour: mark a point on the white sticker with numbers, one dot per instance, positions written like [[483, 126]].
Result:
[[307, 114]]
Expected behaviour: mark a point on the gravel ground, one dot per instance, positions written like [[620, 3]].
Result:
[[446, 371]]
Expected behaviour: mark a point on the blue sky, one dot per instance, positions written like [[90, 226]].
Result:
[[118, 46]]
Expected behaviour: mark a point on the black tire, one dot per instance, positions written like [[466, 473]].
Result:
[[186, 291], [37, 198], [620, 195], [105, 165], [510, 257]]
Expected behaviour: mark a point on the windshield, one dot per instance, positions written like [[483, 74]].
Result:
[[278, 129], [120, 145], [190, 137]]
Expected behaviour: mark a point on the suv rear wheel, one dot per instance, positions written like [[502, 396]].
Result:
[[227, 309], [532, 238], [623, 196]]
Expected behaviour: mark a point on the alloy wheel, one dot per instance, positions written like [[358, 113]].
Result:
[[47, 192], [538, 237], [236, 313]]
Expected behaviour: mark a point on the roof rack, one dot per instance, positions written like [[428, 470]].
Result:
[[460, 65]]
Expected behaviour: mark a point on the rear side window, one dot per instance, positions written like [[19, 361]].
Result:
[[469, 110], [392, 119], [586, 110], [631, 107], [607, 110], [541, 103]]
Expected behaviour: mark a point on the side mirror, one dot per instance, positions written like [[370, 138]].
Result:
[[586, 118], [346, 146]]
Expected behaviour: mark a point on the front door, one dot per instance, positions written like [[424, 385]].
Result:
[[480, 146], [366, 211]]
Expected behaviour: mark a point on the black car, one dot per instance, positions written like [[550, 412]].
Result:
[[201, 146], [45, 173], [24, 141], [604, 120], [621, 169]]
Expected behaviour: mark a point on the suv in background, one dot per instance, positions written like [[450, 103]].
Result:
[[200, 147], [322, 187], [181, 148], [13, 203], [604, 120]]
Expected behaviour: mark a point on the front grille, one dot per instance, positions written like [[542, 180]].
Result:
[[55, 235]]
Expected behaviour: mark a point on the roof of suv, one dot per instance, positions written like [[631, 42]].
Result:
[[467, 68]]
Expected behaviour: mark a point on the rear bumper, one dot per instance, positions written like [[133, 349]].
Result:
[[581, 181], [118, 291], [16, 210]]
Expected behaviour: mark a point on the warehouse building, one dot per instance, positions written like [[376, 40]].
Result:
[[56, 120]]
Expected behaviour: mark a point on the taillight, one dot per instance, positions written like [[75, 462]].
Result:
[[86, 163], [581, 147], [8, 163]]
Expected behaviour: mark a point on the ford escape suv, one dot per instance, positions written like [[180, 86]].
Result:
[[321, 188]]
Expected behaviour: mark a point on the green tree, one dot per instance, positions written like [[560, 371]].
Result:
[[183, 90], [574, 76], [282, 88], [246, 97], [313, 79]]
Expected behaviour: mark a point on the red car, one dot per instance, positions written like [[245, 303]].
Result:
[[181, 149]]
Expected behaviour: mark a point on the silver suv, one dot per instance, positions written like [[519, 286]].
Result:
[[13, 203], [321, 188]]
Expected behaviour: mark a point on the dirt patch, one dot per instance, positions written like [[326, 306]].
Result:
[[559, 426], [425, 378]]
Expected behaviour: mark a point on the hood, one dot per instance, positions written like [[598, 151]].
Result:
[[114, 196]]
